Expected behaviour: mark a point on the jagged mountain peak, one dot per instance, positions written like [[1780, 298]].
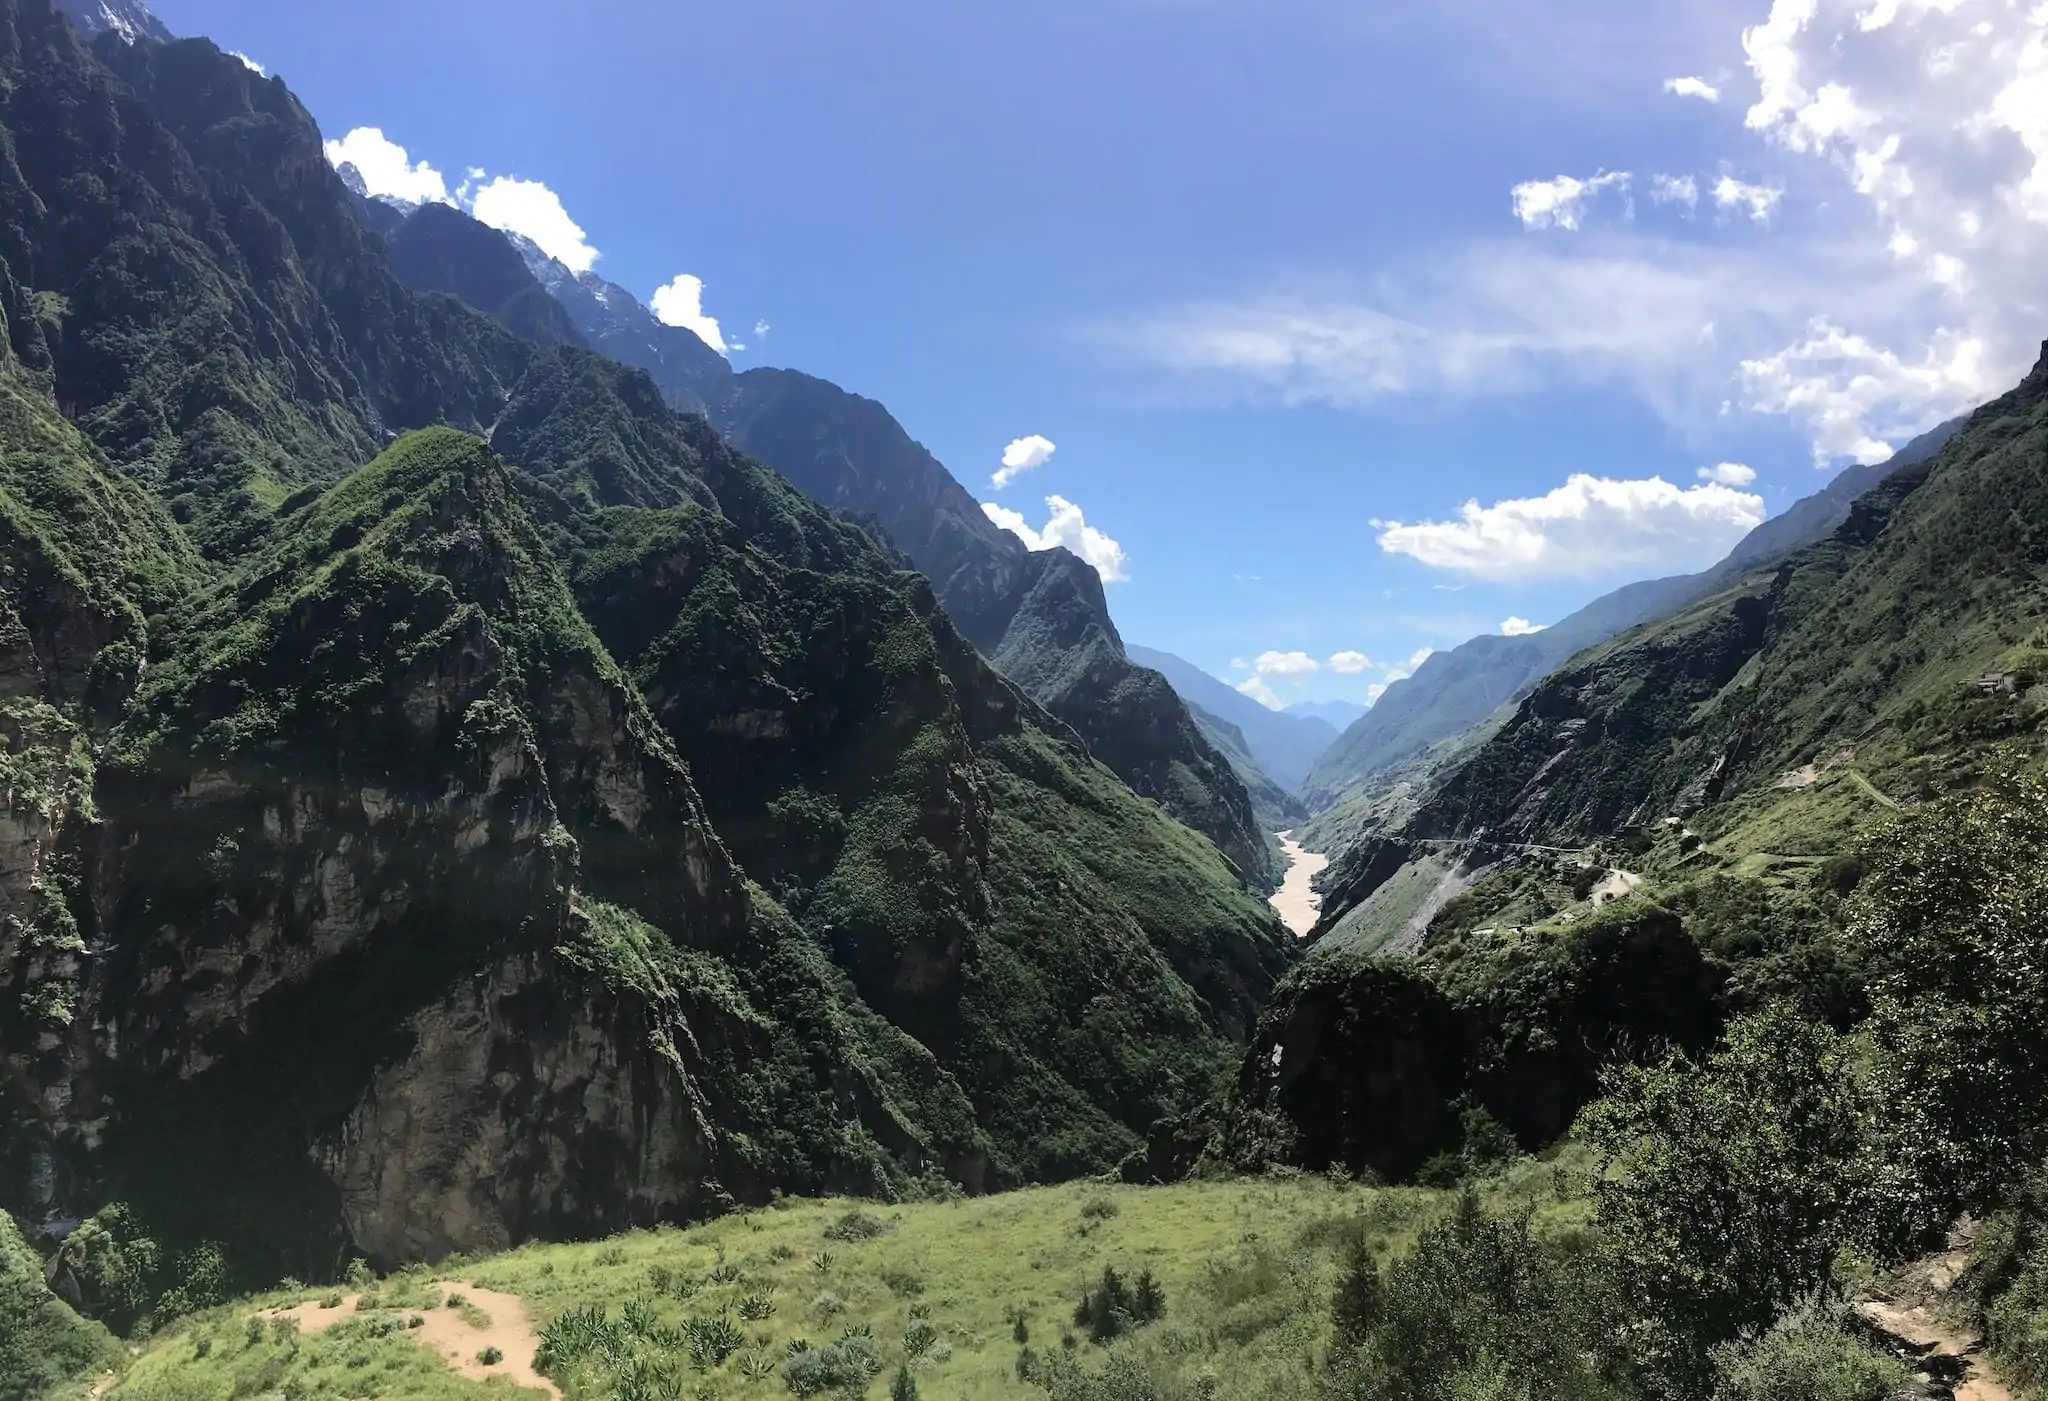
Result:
[[130, 19]]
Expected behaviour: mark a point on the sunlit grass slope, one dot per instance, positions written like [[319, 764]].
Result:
[[1246, 1268]]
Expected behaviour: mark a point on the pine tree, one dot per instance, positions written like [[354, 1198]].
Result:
[[1148, 1300], [1357, 1304]]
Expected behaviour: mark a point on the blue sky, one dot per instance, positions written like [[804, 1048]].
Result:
[[1287, 284]]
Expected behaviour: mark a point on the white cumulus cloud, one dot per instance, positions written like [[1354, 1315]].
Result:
[[1521, 627], [1021, 456], [1285, 664], [1857, 395], [1756, 201], [1933, 116], [530, 208], [1729, 474], [1258, 689], [1693, 87], [1910, 135], [1590, 526], [681, 303], [386, 168], [1560, 203], [1066, 528], [1350, 663]]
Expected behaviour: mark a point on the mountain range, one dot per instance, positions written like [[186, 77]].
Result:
[[480, 773], [457, 798], [1039, 615]]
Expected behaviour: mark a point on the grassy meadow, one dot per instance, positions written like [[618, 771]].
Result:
[[954, 1291]]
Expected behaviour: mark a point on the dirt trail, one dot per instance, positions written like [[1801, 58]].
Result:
[[1911, 1313], [451, 1333], [1945, 1353], [1299, 905]]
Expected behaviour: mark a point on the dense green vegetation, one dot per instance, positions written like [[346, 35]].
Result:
[[481, 845]]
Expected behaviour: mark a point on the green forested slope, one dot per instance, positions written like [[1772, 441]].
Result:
[[489, 843]]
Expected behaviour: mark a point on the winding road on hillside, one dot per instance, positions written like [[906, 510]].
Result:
[[1299, 905]]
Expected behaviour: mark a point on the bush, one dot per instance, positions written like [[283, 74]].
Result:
[[712, 1340], [1727, 1190], [904, 1284], [856, 1226], [1114, 1308], [490, 1357], [1479, 1308], [1809, 1354], [850, 1362]]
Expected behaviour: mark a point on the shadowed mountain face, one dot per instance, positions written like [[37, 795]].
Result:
[[1040, 616], [415, 843], [1454, 691]]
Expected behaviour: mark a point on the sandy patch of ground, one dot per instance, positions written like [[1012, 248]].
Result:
[[451, 1332], [1619, 885], [1299, 905]]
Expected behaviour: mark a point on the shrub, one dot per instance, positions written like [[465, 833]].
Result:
[[850, 1362], [712, 1340], [919, 1339], [1479, 1308], [1727, 1190], [857, 1226], [490, 1357], [755, 1307], [1099, 1209], [821, 1263], [904, 1388], [1113, 1307], [904, 1284], [1809, 1354]]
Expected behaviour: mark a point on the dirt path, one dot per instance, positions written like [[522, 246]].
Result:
[[1945, 1352], [1873, 790], [1299, 905], [460, 1335], [1909, 1309]]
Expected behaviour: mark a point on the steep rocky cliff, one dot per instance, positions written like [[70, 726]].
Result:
[[494, 841]]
